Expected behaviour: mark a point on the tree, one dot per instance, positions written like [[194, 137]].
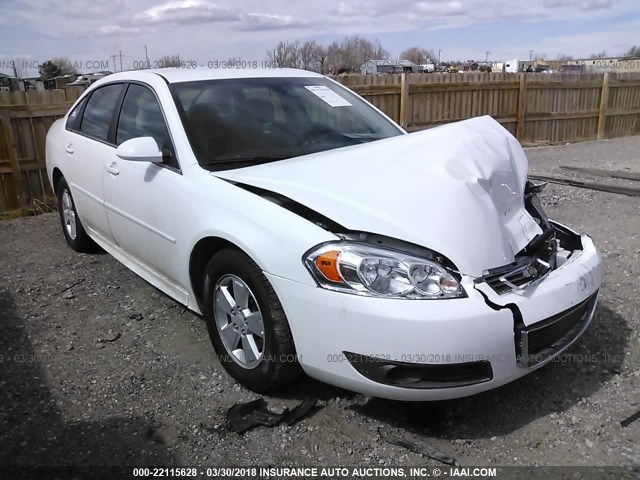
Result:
[[419, 56], [322, 55], [353, 51], [49, 70], [309, 56], [595, 56], [564, 58], [169, 61], [65, 65], [632, 52], [285, 55], [349, 54]]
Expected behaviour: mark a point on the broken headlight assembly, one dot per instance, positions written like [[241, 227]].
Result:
[[373, 271]]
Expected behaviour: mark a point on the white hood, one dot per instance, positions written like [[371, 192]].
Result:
[[456, 189]]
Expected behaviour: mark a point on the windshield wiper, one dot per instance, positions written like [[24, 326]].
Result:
[[248, 160], [367, 136]]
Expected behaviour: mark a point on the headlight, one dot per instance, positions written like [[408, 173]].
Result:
[[374, 271]]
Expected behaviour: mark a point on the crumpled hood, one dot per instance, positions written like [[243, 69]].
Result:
[[456, 189]]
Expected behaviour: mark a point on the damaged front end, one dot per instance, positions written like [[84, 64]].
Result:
[[542, 255], [536, 342], [514, 289]]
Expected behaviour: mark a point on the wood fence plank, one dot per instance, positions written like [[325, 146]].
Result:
[[16, 174], [604, 100]]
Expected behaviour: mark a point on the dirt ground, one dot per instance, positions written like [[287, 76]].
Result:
[[99, 368]]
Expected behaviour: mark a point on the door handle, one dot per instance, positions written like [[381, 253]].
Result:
[[111, 168], [69, 148]]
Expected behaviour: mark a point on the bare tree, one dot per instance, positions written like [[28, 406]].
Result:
[[169, 61], [333, 57], [353, 51], [595, 56], [564, 58], [322, 55], [632, 52], [285, 55], [309, 56], [346, 55], [419, 56]]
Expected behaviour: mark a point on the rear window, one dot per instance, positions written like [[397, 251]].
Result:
[[73, 120], [99, 112]]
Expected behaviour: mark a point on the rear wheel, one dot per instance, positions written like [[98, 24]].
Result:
[[246, 323], [72, 228]]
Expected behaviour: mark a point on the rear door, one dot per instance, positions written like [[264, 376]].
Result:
[[90, 147]]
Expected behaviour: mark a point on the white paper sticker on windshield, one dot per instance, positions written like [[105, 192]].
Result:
[[328, 95]]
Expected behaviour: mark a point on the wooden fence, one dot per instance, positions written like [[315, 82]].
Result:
[[533, 107], [25, 118]]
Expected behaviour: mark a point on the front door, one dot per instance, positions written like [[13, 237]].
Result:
[[142, 199]]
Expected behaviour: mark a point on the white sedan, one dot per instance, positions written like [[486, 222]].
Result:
[[313, 234]]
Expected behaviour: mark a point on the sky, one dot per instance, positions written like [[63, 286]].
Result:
[[89, 33]]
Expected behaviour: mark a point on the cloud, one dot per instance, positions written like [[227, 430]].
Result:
[[584, 5], [186, 12], [441, 9], [342, 10], [117, 30], [596, 5], [252, 22], [189, 12], [75, 8]]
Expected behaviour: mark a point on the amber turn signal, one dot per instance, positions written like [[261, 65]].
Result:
[[327, 264]]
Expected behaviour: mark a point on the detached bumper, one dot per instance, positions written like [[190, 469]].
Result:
[[440, 349]]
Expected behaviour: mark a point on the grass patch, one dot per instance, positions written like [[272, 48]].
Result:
[[36, 207]]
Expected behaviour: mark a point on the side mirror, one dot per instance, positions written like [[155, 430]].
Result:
[[140, 149]]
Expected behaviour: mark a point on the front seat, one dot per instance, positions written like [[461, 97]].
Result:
[[211, 136]]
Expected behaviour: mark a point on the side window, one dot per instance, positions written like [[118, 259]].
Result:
[[73, 120], [99, 110], [141, 117]]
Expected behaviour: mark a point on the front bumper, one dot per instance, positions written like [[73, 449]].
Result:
[[330, 327]]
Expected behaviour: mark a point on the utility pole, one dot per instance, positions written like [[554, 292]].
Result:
[[115, 68], [486, 58], [120, 51], [439, 56], [147, 56], [530, 55]]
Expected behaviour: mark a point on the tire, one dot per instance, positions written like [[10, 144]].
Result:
[[72, 228], [260, 364]]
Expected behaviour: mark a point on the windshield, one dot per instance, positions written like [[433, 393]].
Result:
[[239, 122]]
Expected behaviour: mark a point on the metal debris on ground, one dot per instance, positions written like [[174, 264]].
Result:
[[597, 172], [71, 286], [423, 450], [243, 417], [630, 191], [628, 421]]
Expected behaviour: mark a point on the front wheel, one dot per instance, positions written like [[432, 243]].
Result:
[[72, 228], [246, 323]]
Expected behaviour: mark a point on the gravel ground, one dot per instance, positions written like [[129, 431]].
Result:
[[98, 367]]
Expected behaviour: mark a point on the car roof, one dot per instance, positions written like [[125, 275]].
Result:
[[178, 75]]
